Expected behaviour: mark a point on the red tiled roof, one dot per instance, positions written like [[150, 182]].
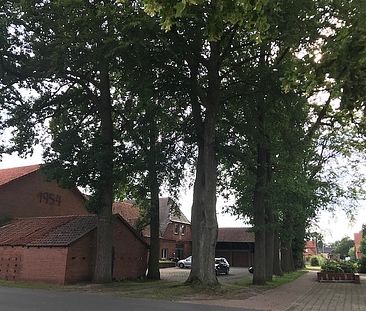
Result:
[[235, 235], [9, 174], [46, 231], [129, 211]]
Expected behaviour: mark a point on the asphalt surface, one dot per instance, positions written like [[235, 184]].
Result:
[[19, 299], [180, 275]]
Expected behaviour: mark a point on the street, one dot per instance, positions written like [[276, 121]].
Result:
[[180, 275], [20, 299]]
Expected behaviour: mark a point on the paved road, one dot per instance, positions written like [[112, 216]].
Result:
[[180, 275], [19, 299]]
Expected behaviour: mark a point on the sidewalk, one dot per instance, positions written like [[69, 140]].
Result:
[[304, 294], [333, 297]]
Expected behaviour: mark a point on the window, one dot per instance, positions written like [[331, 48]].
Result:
[[183, 229], [164, 253], [176, 229]]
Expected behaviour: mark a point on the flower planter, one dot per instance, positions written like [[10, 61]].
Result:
[[338, 277]]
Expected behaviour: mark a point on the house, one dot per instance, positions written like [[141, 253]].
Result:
[[236, 245], [175, 228], [358, 239], [26, 192], [61, 249], [310, 249]]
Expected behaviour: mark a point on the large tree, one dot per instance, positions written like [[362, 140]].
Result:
[[207, 31], [74, 50]]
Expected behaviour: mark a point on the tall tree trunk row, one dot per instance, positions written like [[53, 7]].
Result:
[[103, 261]]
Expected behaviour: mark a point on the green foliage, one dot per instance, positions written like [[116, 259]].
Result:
[[352, 253], [339, 266], [316, 261], [363, 246], [342, 247], [362, 264]]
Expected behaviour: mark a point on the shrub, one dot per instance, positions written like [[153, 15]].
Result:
[[362, 265], [349, 266], [331, 266], [339, 266], [316, 261]]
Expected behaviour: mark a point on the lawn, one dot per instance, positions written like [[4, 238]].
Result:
[[168, 290]]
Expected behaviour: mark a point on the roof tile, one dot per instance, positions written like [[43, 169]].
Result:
[[9, 174], [46, 231], [235, 235]]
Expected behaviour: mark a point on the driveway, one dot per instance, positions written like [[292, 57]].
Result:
[[180, 275]]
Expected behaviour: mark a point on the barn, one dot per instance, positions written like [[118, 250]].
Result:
[[26, 192], [236, 245], [61, 249]]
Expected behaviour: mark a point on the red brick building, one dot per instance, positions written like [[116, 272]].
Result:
[[175, 228], [236, 245], [310, 249], [26, 192], [61, 249], [358, 239]]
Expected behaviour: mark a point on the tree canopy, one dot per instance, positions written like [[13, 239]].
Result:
[[256, 98]]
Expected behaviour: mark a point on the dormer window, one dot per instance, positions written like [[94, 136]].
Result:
[[183, 229], [176, 228]]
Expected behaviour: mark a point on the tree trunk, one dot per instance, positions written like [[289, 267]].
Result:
[[204, 221], [287, 258], [260, 195], [153, 269], [259, 275], [103, 260], [277, 269], [269, 237]]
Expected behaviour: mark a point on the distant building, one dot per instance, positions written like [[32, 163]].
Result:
[[175, 228], [358, 238], [310, 249], [236, 245]]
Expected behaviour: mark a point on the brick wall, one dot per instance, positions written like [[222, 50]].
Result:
[[169, 233], [75, 263], [33, 195], [10, 263], [171, 240], [129, 255], [40, 264], [81, 258]]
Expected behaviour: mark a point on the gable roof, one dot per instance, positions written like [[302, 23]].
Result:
[[168, 212], [128, 210], [235, 235], [52, 231], [9, 174], [46, 231]]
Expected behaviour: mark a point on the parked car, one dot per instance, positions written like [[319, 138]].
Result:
[[185, 263], [221, 266]]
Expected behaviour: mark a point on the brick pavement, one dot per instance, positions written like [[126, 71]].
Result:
[[333, 297], [304, 294]]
